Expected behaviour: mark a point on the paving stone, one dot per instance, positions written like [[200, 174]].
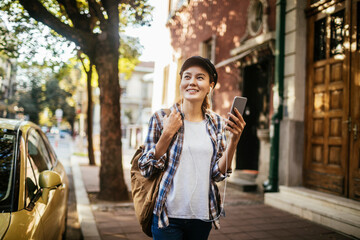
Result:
[[108, 224], [113, 237], [227, 230], [280, 233], [240, 236], [296, 238], [137, 236], [218, 237], [269, 226], [260, 234], [248, 228]]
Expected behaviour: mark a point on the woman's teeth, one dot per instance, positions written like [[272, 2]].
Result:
[[192, 91]]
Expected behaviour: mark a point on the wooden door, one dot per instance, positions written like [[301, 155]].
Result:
[[327, 97], [354, 170]]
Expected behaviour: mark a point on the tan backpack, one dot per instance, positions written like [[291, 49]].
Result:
[[144, 191]]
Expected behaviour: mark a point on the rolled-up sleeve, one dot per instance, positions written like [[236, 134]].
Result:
[[217, 176], [220, 149], [147, 162]]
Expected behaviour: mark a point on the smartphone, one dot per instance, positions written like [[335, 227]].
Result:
[[239, 103]]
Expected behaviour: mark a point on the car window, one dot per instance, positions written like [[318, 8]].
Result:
[[51, 152], [38, 152], [7, 153], [31, 180], [52, 156]]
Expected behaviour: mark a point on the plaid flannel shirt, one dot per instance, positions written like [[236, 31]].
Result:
[[148, 164]]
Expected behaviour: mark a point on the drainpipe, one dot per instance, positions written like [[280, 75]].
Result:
[[272, 184]]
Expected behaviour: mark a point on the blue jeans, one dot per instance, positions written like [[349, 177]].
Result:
[[181, 229]]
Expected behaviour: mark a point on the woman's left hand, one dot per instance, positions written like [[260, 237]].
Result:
[[236, 126]]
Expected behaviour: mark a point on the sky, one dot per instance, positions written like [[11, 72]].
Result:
[[155, 37]]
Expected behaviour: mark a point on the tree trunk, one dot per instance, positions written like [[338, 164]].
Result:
[[89, 119], [112, 183]]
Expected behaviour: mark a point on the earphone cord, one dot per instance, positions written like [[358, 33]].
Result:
[[223, 201]]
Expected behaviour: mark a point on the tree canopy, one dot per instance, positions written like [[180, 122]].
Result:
[[43, 91], [94, 26]]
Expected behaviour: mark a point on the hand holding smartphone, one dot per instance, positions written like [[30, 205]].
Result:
[[239, 103]]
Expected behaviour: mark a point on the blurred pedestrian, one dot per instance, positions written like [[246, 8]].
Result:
[[190, 146]]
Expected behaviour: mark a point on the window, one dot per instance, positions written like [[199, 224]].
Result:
[[207, 49], [38, 151], [337, 33], [52, 154], [31, 183], [255, 17], [320, 40], [7, 153]]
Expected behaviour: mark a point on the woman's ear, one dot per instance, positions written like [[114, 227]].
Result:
[[211, 86]]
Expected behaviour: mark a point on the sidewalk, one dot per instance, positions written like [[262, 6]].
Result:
[[246, 215]]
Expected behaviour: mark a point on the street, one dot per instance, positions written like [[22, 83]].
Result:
[[64, 149]]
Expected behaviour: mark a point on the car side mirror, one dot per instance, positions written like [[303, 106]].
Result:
[[48, 180]]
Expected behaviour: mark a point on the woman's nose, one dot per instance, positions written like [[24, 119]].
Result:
[[192, 81]]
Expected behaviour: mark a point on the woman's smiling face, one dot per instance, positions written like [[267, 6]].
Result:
[[195, 84]]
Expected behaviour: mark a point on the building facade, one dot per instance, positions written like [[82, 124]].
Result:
[[136, 99], [7, 87], [238, 37], [319, 146], [318, 154]]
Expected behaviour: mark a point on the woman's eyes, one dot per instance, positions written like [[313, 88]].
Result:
[[199, 77]]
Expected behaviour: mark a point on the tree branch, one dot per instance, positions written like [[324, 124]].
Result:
[[95, 10], [83, 39], [80, 21], [82, 62]]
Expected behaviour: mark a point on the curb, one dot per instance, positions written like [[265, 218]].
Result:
[[86, 217]]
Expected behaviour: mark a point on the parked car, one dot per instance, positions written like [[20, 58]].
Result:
[[33, 184]]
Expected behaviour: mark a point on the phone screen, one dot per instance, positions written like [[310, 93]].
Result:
[[239, 103]]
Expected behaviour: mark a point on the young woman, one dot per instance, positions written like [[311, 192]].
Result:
[[190, 146]]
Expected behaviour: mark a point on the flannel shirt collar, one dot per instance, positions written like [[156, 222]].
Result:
[[208, 114]]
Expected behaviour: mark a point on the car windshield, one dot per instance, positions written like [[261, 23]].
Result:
[[7, 153]]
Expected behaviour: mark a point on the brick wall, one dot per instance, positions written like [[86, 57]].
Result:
[[227, 20]]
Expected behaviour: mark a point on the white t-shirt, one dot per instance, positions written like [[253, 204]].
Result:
[[189, 193]]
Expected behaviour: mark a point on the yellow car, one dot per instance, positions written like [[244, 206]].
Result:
[[33, 184]]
